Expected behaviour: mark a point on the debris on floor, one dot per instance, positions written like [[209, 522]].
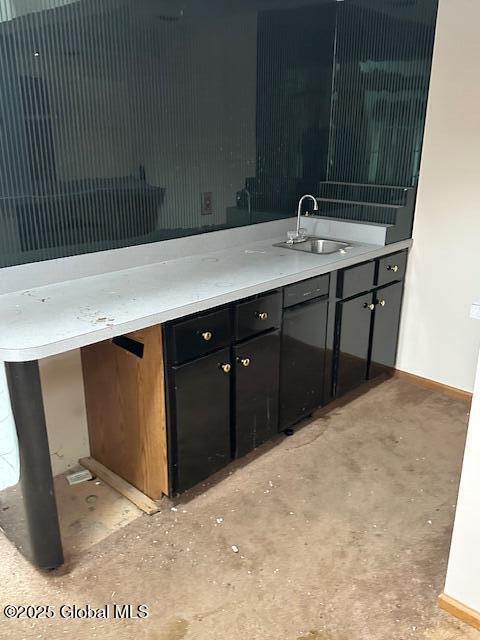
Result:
[[301, 562]]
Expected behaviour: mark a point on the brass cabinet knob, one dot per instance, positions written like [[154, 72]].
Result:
[[262, 315], [207, 335], [394, 268], [245, 362], [370, 306], [226, 368], [382, 303]]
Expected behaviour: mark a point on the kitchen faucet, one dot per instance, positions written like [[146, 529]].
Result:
[[296, 236]]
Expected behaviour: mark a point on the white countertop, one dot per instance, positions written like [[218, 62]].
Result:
[[55, 318]]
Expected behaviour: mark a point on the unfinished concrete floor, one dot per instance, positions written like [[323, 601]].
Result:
[[343, 533]]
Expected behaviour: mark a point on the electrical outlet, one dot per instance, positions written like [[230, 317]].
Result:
[[207, 203]]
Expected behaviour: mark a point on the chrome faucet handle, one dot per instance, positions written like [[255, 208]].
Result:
[[293, 236]]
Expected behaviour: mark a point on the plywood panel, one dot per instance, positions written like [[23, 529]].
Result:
[[125, 400]]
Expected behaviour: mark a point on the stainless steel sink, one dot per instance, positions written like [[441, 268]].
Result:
[[316, 245]]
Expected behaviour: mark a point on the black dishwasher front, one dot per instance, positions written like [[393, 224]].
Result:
[[303, 349]]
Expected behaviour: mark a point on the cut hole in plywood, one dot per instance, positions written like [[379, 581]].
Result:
[[89, 512]]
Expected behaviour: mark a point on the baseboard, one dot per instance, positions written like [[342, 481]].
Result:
[[435, 386], [459, 610]]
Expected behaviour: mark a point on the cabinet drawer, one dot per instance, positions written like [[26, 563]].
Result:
[[306, 290], [260, 314], [391, 268], [355, 280], [198, 336]]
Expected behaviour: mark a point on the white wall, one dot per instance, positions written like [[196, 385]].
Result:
[[438, 339], [63, 397], [9, 460], [463, 572]]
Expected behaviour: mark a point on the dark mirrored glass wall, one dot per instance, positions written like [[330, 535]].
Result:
[[381, 81], [131, 121]]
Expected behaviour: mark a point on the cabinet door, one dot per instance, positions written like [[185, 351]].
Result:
[[303, 360], [354, 318], [200, 442], [386, 325], [257, 364]]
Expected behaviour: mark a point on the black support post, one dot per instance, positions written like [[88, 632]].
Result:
[[29, 512]]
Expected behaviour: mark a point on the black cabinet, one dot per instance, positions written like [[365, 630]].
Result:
[[238, 374], [188, 397], [386, 324], [367, 325], [257, 364], [201, 410], [353, 323], [224, 403], [303, 360]]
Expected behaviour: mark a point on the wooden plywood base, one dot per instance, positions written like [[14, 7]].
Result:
[[138, 498], [459, 610], [125, 401], [432, 384]]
